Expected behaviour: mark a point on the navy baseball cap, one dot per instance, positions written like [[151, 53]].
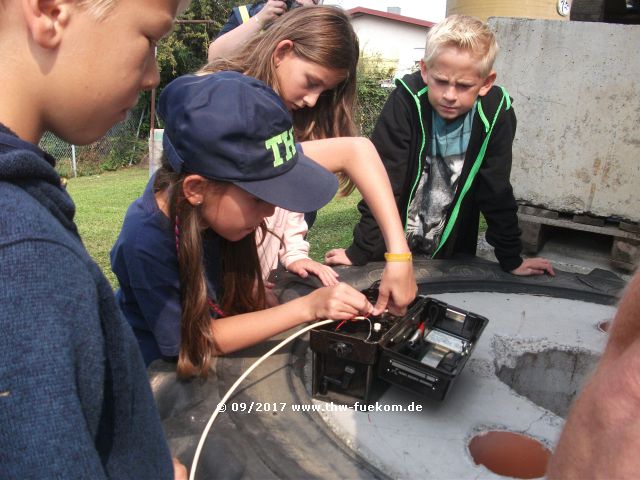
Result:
[[231, 127]]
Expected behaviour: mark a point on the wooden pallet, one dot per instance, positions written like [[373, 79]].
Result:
[[537, 223]]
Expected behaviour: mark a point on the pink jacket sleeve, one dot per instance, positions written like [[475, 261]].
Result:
[[294, 246], [291, 228]]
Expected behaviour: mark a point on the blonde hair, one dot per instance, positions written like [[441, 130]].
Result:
[[322, 35], [464, 32], [98, 8]]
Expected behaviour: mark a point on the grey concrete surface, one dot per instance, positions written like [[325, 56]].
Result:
[[575, 88]]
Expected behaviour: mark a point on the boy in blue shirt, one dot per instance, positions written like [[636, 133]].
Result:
[[445, 137], [75, 400]]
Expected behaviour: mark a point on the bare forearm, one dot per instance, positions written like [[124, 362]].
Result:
[[230, 42], [241, 331], [359, 160], [338, 302], [602, 433], [625, 329], [368, 173]]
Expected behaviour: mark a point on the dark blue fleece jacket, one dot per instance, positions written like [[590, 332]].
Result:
[[75, 401]]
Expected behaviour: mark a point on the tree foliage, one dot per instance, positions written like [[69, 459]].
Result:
[[185, 49], [374, 84]]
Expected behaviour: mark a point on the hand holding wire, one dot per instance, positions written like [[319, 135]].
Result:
[[398, 288], [340, 302]]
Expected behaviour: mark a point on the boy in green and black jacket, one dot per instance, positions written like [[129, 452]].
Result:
[[445, 136]]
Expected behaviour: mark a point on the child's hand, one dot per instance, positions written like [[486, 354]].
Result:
[[340, 302], [337, 256], [534, 266], [303, 267], [397, 288]]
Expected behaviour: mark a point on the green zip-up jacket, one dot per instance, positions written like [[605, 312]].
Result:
[[401, 137]]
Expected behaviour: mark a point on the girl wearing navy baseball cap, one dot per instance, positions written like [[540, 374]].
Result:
[[186, 258]]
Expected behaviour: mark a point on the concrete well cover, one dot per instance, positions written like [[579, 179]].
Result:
[[540, 343]]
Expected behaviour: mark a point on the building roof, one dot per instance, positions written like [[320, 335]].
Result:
[[360, 11]]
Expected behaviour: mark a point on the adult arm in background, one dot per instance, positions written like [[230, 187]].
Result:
[[392, 140], [359, 160], [601, 437], [231, 39], [494, 195]]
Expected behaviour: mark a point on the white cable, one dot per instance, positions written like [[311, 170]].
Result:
[[196, 457], [370, 325]]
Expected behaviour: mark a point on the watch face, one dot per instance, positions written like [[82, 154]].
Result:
[[563, 7]]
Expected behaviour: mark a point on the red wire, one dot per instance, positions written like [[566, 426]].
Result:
[[345, 321]]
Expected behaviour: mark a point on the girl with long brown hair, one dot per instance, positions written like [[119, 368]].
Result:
[[317, 37]]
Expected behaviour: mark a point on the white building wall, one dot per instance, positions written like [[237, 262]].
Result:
[[392, 40]]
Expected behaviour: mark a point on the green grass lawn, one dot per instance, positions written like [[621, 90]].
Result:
[[334, 226], [102, 201]]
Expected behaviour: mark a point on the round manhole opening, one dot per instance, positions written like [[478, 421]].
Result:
[[604, 326], [510, 454]]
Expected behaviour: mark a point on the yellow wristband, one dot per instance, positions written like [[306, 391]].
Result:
[[398, 257]]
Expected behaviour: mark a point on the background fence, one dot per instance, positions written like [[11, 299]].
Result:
[[125, 144]]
